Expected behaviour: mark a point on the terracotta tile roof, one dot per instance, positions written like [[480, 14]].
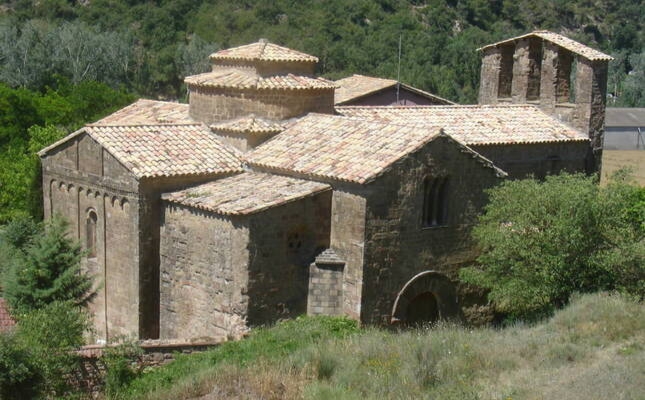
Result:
[[149, 112], [250, 124], [340, 148], [562, 41], [166, 150], [262, 51], [477, 125], [235, 78], [357, 86], [6, 321], [246, 193]]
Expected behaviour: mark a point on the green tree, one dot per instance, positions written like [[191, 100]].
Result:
[[192, 58], [46, 270], [541, 241]]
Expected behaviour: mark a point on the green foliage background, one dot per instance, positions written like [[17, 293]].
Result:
[[31, 120], [145, 45]]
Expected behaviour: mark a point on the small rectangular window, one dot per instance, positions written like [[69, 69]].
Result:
[[435, 204]]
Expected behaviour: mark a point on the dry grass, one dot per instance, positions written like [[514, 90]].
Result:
[[613, 160], [593, 349]]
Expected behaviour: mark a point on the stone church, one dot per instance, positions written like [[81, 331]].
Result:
[[262, 199]]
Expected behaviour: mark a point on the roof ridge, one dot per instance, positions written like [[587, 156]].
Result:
[[560, 40], [264, 43], [261, 51], [97, 125], [402, 107]]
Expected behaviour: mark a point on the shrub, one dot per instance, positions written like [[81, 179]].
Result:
[[541, 241], [38, 358], [118, 365], [51, 335], [19, 377]]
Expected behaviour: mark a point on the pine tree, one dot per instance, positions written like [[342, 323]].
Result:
[[45, 270]]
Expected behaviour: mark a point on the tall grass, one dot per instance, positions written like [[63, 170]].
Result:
[[190, 375], [593, 349]]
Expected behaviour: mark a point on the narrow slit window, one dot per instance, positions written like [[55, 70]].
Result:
[[506, 72], [90, 231], [535, 70], [435, 205]]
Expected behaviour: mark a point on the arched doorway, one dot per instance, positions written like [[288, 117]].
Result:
[[422, 309], [428, 297]]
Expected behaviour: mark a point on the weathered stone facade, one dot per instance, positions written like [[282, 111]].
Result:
[[260, 200], [565, 79], [398, 245]]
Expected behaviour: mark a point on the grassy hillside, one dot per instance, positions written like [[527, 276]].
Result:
[[592, 349]]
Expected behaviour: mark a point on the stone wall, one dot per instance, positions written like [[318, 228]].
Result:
[[563, 84], [204, 274], [243, 141], [348, 212], [284, 241], [80, 178], [211, 105], [397, 245], [221, 274], [267, 68], [325, 295], [537, 159]]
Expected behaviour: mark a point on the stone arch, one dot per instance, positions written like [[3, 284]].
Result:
[[427, 297]]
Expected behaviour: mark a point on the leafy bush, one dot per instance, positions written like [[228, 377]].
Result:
[[43, 268], [44, 287], [51, 334], [37, 359], [541, 241], [19, 377]]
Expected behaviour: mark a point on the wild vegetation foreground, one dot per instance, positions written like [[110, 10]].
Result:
[[592, 349]]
